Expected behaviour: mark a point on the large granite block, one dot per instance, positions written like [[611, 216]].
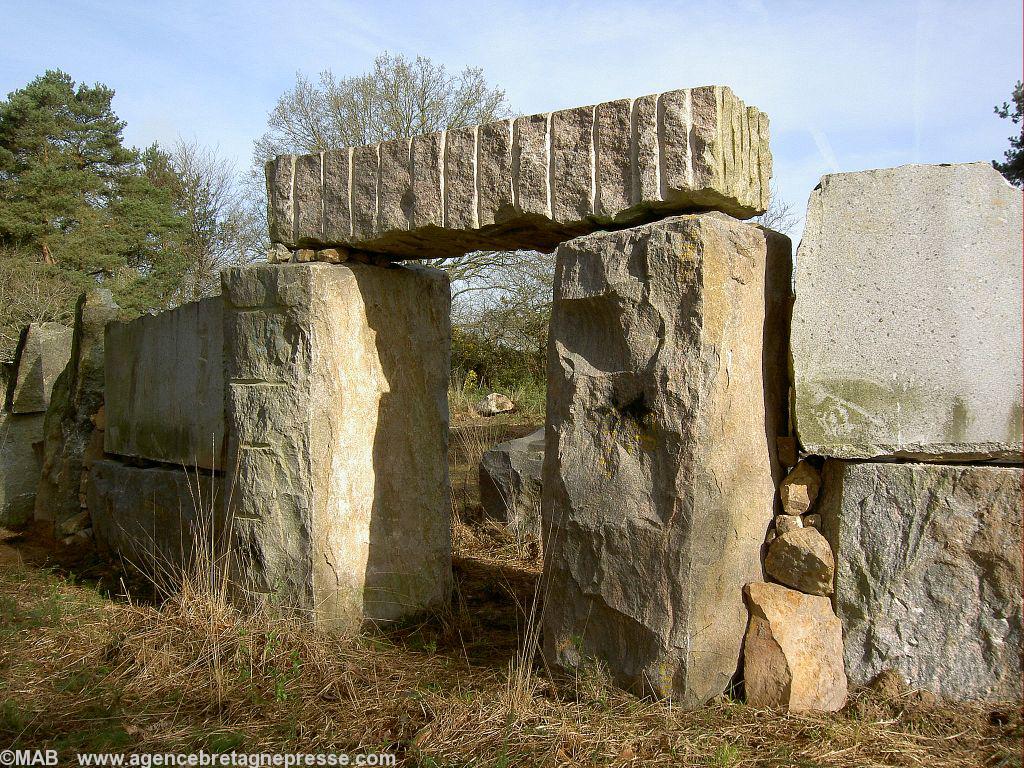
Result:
[[21, 438], [159, 520], [337, 411], [907, 327], [928, 573], [532, 182], [164, 386], [667, 379]]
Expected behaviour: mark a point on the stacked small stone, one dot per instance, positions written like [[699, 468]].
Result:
[[793, 650]]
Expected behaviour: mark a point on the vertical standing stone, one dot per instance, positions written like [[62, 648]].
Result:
[[614, 172], [667, 373], [280, 209], [644, 125], [530, 180], [494, 172], [572, 164], [427, 163], [395, 196], [309, 199], [42, 354], [460, 178], [365, 174], [337, 412], [337, 217]]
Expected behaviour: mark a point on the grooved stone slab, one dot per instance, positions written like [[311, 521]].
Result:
[[666, 388], [907, 327], [532, 182], [43, 352], [337, 408], [164, 383], [928, 577]]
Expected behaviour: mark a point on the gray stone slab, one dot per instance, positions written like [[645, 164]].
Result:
[[928, 577], [43, 352], [510, 483], [158, 520], [907, 327], [164, 386], [21, 438]]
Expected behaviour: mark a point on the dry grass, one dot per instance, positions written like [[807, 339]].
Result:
[[82, 672]]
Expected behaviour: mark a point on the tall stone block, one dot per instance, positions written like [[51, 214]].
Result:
[[164, 382], [928, 574], [907, 327], [43, 352], [21, 438], [337, 414], [667, 379]]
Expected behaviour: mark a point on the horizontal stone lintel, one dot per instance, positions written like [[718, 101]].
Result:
[[528, 182]]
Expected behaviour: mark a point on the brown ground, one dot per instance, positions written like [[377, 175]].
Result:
[[83, 668]]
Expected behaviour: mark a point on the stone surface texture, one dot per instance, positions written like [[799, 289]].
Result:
[[907, 327], [21, 438], [337, 414], [530, 182], [801, 558], [153, 517], [667, 380], [510, 483], [494, 404], [928, 578], [76, 400], [43, 352], [165, 386], [793, 651]]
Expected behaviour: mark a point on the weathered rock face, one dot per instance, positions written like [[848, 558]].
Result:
[[20, 466], [793, 651], [70, 419], [667, 380], [165, 386], [43, 353], [153, 517], [907, 326], [337, 413], [530, 182], [928, 578], [510, 483], [801, 558], [800, 488]]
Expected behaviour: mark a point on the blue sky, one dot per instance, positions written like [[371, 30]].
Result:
[[848, 85]]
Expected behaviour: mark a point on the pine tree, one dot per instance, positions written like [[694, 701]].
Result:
[[73, 196], [1013, 168]]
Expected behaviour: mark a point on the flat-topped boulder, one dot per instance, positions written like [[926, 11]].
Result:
[[907, 325], [531, 182]]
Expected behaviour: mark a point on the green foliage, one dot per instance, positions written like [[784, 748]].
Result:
[[76, 201], [494, 364], [1013, 168]]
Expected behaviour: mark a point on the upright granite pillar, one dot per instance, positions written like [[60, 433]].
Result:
[[667, 380], [337, 422]]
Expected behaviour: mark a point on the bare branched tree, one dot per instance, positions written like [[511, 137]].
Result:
[[222, 229], [780, 215], [397, 98], [31, 292]]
